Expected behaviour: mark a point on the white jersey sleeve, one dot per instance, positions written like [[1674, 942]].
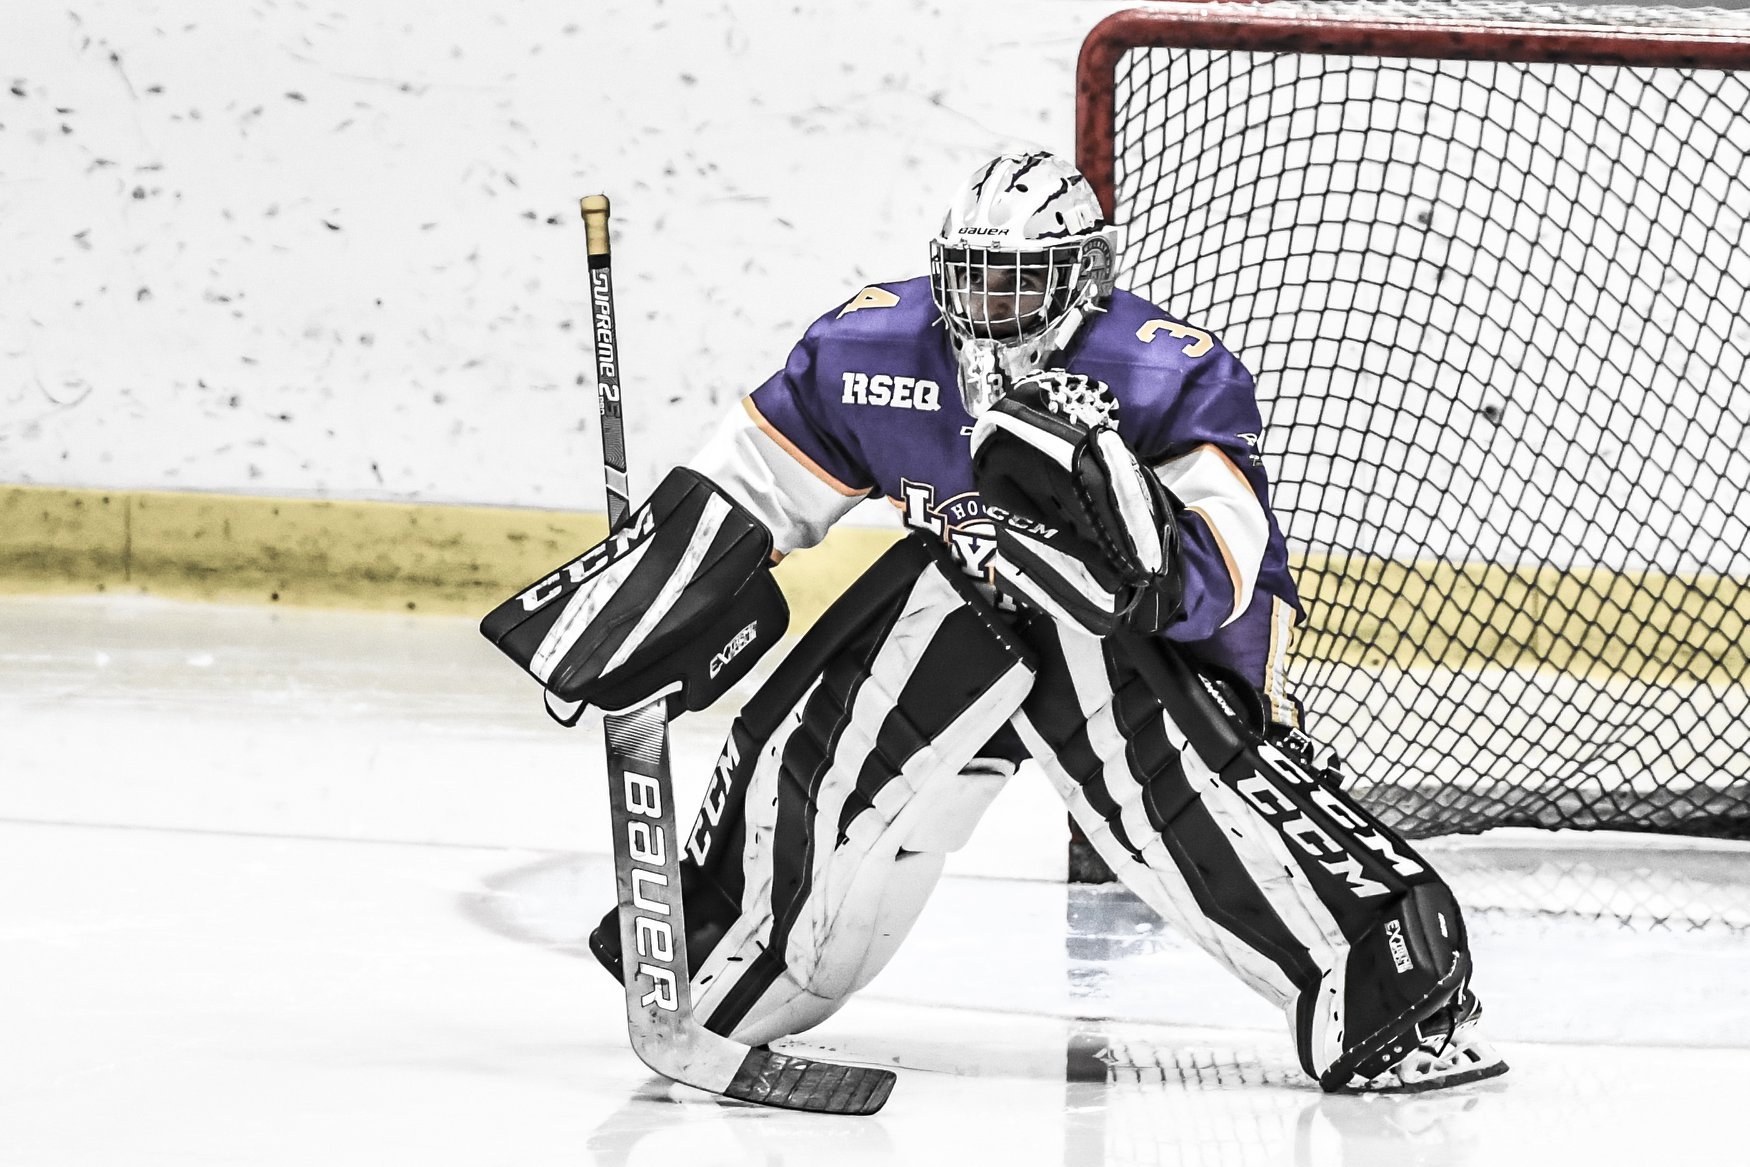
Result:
[[1208, 484], [779, 484]]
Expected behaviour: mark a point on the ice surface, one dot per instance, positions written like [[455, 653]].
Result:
[[293, 888]]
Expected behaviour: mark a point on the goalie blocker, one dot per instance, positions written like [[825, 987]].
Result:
[[679, 601]]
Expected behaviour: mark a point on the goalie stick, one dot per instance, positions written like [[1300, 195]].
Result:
[[647, 874]]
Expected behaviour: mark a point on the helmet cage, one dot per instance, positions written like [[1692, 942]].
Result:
[[1056, 284], [1001, 295]]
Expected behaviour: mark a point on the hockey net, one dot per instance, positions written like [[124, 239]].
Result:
[[1489, 263]]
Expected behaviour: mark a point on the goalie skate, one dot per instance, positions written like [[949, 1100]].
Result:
[[1449, 1052]]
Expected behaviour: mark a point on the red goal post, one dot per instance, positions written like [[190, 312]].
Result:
[[1491, 266], [1523, 33]]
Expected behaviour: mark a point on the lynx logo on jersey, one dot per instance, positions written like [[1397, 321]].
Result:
[[960, 522], [895, 392]]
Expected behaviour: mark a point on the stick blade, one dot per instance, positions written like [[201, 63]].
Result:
[[774, 1079]]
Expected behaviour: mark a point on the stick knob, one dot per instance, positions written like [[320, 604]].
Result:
[[595, 222]]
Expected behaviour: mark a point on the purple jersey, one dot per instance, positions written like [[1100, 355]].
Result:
[[870, 396]]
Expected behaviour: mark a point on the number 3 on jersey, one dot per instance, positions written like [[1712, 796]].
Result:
[[1197, 341]]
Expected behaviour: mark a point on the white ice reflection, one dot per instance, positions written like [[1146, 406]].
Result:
[[294, 888]]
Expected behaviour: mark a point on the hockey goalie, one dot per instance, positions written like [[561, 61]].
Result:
[[1092, 579]]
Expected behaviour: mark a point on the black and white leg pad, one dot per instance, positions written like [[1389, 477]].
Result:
[[1281, 877], [846, 781], [680, 600]]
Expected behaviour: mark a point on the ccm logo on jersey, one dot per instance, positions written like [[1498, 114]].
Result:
[[652, 896], [895, 392], [591, 561], [733, 649]]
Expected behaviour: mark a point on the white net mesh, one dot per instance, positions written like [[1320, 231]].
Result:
[[1499, 311]]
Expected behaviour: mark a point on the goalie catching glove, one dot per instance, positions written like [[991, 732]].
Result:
[[678, 601], [1084, 531]]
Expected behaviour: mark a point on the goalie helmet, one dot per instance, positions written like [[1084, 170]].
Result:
[[1024, 255]]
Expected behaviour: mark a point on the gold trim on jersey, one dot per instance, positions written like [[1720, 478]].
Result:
[[791, 448], [1233, 568], [1282, 709], [1197, 480]]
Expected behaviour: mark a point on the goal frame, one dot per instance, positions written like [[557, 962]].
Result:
[[1438, 37], [1247, 26]]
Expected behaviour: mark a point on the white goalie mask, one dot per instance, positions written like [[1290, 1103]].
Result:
[[1025, 254]]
